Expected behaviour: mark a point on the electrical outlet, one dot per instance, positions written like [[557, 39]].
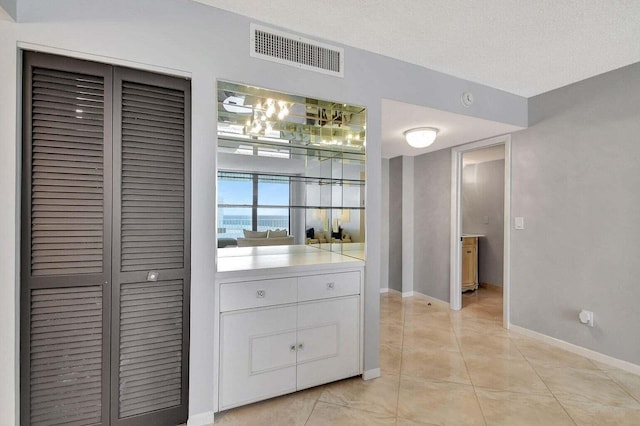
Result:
[[586, 317], [519, 222]]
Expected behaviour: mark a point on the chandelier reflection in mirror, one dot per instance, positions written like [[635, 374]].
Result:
[[256, 113]]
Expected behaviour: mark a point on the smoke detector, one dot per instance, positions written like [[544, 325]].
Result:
[[467, 99]]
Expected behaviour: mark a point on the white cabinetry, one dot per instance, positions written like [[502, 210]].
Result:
[[258, 354], [288, 333], [327, 341]]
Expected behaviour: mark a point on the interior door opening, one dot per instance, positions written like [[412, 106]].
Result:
[[480, 217]]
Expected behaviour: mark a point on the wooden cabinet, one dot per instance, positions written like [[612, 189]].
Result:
[[286, 334], [469, 276]]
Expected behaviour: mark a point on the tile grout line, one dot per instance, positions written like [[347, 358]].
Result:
[[624, 388], [546, 385], [313, 409], [597, 368], [401, 356], [473, 386]]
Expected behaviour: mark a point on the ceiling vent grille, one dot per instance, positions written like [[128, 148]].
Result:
[[289, 49]]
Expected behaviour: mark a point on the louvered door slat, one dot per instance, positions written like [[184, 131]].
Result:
[[76, 158], [143, 139], [58, 379], [151, 191], [150, 350]]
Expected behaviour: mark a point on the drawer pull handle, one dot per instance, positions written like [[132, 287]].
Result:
[[260, 294], [300, 346], [292, 348], [330, 286]]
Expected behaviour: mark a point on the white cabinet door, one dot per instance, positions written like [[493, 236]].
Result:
[[257, 354], [328, 340]]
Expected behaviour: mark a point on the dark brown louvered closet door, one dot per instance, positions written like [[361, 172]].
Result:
[[105, 270], [151, 251], [66, 242]]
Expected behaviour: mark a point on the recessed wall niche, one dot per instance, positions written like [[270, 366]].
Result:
[[291, 171]]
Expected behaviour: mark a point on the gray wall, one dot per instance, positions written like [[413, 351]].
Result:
[[432, 188], [394, 209], [483, 213], [576, 182]]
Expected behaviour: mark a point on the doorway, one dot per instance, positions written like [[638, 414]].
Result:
[[482, 229]]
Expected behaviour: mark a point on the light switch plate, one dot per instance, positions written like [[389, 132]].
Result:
[[519, 222]]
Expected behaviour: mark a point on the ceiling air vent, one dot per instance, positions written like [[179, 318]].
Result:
[[290, 49]]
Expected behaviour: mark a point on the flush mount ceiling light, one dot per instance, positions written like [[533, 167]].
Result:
[[421, 137]]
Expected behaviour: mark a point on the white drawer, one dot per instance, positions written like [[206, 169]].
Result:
[[254, 294], [324, 286]]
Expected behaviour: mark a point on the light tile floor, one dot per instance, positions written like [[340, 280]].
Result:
[[441, 367]]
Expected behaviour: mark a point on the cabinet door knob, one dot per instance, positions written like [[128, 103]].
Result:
[[260, 294], [300, 346], [468, 252], [292, 348], [330, 286]]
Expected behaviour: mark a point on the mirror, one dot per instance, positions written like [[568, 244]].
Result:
[[291, 171]]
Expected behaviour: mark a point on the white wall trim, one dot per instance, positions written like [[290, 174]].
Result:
[[433, 300], [374, 373], [418, 295], [202, 419], [384, 290], [455, 286], [102, 59], [579, 350], [506, 256]]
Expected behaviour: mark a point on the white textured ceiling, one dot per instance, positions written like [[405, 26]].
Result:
[[525, 47], [454, 129]]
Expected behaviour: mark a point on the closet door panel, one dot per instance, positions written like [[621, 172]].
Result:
[[99, 209], [66, 241], [151, 249]]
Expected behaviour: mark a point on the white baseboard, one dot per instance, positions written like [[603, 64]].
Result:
[[371, 374], [384, 290], [202, 419], [587, 353], [407, 293], [431, 299]]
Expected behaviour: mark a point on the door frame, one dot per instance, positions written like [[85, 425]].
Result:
[[455, 297]]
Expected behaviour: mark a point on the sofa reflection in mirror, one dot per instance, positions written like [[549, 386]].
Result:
[[275, 237]]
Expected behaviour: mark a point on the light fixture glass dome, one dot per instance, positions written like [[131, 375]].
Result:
[[421, 137]]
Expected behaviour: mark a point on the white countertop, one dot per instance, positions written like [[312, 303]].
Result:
[[294, 257], [472, 235]]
